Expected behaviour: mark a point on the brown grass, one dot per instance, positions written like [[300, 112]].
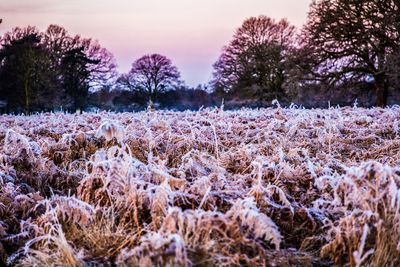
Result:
[[270, 187]]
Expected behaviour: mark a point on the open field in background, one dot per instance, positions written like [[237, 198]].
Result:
[[275, 187]]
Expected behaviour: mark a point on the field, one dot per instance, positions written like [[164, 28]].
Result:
[[269, 187]]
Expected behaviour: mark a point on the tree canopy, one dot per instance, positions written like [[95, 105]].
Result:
[[24, 75], [152, 74], [44, 70], [256, 56], [354, 39]]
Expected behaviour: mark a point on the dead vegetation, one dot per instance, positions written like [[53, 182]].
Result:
[[270, 187]]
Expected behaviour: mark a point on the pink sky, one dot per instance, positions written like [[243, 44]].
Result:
[[190, 32]]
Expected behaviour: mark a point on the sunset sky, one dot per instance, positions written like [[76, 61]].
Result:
[[190, 32]]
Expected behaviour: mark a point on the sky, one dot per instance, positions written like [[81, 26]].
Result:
[[189, 32]]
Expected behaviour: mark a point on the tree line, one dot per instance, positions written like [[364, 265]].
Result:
[[345, 45]]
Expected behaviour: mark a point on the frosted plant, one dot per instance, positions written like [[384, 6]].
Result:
[[369, 196], [69, 209], [15, 144], [272, 190], [156, 250], [110, 130], [50, 249], [201, 188], [247, 214], [161, 200], [276, 103]]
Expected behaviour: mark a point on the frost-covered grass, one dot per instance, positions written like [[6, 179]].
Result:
[[274, 187]]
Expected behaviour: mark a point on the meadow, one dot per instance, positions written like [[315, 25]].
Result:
[[267, 187]]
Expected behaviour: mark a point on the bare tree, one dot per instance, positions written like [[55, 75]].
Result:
[[57, 40], [152, 74], [353, 39], [256, 57], [102, 74]]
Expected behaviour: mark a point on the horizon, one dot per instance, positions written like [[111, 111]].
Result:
[[191, 34]]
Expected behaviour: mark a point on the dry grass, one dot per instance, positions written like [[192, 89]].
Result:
[[270, 187]]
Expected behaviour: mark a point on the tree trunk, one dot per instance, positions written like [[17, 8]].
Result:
[[381, 91], [26, 90]]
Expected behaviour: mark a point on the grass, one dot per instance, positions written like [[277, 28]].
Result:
[[268, 187]]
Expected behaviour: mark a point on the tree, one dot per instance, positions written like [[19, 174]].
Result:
[[151, 74], [393, 69], [104, 73], [101, 75], [354, 39], [75, 66], [82, 62], [24, 75], [51, 67], [256, 57]]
